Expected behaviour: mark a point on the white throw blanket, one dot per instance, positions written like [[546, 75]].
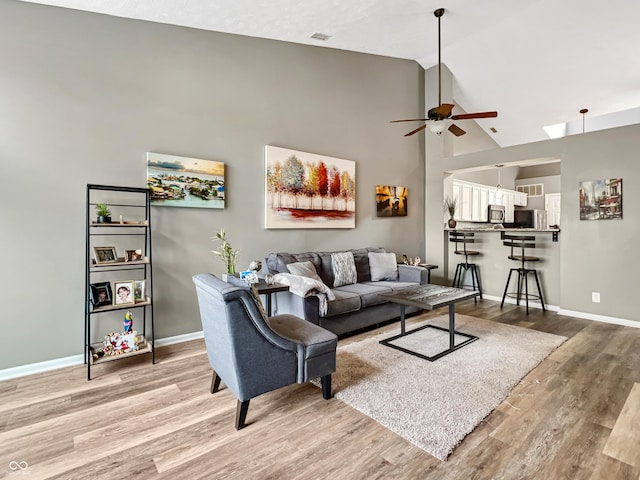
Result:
[[305, 287]]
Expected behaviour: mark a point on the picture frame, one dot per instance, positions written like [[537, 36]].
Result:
[[133, 255], [139, 294], [105, 255], [308, 190], [600, 199], [391, 201], [123, 293], [100, 294], [176, 181]]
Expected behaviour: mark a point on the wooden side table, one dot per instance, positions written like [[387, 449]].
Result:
[[268, 290]]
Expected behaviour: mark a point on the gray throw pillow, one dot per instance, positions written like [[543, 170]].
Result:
[[304, 269], [383, 266], [344, 269]]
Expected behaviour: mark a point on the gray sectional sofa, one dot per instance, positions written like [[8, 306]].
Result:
[[349, 306]]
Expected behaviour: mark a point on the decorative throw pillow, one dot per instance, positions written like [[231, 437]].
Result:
[[304, 269], [383, 266], [344, 269]]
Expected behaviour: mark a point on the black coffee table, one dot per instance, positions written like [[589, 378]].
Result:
[[430, 297]]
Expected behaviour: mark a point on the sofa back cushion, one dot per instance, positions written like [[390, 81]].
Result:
[[277, 263]]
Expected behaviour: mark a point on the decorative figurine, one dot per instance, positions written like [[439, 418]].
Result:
[[255, 265], [416, 261], [128, 322], [405, 260]]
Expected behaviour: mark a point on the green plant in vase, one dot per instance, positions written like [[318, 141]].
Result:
[[103, 213], [227, 254], [451, 205]]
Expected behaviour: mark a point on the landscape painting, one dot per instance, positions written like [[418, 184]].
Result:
[[391, 201], [306, 190], [185, 182], [601, 199]]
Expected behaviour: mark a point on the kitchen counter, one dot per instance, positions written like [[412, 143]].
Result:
[[553, 231], [493, 262]]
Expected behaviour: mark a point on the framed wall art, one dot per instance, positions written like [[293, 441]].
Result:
[[601, 199], [307, 190], [391, 201], [185, 182]]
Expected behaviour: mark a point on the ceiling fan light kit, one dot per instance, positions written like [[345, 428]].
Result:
[[439, 118]]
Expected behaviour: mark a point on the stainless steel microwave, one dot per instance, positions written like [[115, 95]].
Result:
[[495, 214]]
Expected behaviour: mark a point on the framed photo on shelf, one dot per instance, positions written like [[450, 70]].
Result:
[[139, 291], [123, 292], [133, 255], [104, 255], [100, 294]]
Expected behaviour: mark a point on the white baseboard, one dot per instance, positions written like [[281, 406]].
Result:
[[600, 318], [512, 301], [571, 313], [73, 360]]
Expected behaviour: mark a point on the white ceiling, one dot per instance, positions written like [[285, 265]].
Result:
[[536, 62]]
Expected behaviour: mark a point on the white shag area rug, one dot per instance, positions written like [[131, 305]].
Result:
[[434, 405]]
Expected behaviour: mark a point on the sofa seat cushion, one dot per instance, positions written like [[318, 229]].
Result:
[[369, 293], [344, 302], [392, 285]]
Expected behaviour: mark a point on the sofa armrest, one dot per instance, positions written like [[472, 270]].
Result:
[[411, 273]]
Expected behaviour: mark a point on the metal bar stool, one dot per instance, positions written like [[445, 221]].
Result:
[[464, 238], [521, 242]]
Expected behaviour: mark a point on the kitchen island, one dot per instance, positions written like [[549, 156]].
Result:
[[493, 264]]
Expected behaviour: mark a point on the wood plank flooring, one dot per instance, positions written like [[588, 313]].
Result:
[[575, 416]]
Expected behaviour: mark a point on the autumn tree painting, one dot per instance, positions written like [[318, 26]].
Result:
[[305, 190]]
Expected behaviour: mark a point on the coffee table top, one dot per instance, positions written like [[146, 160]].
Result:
[[429, 296]]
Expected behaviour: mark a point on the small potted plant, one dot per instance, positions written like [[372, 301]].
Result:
[[450, 205], [227, 254], [103, 213]]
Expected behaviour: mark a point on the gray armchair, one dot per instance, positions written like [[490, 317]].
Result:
[[254, 354]]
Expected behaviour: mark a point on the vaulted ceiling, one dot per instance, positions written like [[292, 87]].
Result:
[[536, 62]]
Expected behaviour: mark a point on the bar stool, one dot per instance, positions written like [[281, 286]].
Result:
[[464, 238], [521, 242]]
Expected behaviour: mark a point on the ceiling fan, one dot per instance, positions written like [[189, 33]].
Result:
[[439, 116]]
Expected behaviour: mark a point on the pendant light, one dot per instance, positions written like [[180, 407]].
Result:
[[499, 186], [583, 111]]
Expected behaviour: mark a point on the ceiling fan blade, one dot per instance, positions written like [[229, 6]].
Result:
[[467, 116], [416, 130], [456, 130], [410, 120], [444, 110]]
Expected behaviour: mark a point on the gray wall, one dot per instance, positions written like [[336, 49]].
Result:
[[550, 184], [83, 97], [595, 256]]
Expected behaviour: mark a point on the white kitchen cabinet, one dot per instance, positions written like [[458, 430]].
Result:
[[520, 199], [473, 200]]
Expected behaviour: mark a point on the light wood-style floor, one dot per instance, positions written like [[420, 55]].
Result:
[[575, 416]]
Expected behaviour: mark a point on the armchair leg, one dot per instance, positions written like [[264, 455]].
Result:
[[215, 383], [241, 413], [326, 387]]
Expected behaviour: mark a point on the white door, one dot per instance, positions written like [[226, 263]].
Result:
[[552, 205]]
